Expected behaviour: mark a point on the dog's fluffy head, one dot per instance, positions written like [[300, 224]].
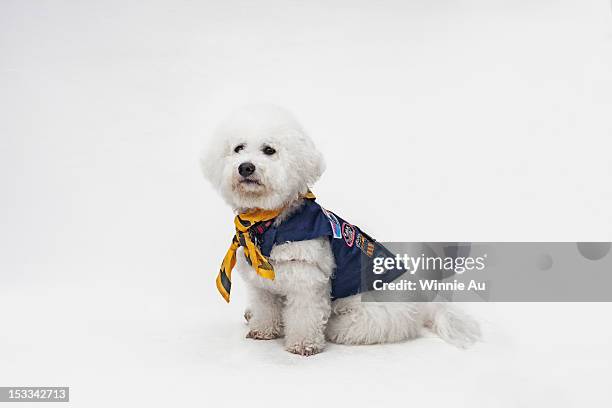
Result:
[[260, 157]]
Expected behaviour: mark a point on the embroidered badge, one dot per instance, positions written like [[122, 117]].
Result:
[[359, 241], [364, 244], [333, 221], [370, 249], [348, 233]]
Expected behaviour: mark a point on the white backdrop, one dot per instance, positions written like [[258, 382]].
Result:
[[476, 120]]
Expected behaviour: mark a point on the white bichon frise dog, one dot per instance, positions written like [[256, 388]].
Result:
[[293, 255]]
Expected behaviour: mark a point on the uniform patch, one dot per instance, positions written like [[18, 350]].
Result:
[[366, 246], [333, 221], [359, 241], [348, 233], [370, 249]]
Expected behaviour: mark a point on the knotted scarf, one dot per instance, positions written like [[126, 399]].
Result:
[[243, 238]]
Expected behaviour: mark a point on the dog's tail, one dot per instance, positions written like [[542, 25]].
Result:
[[451, 325]]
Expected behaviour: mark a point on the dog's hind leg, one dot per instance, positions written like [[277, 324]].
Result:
[[354, 322]]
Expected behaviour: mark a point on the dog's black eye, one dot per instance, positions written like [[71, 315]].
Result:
[[238, 148], [268, 150]]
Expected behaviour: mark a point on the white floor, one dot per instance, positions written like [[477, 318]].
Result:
[[113, 348]]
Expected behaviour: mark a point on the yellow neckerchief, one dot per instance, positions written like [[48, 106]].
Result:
[[258, 261]]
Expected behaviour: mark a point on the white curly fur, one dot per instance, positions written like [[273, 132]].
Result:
[[297, 304]]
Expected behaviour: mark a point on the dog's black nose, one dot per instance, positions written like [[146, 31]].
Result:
[[246, 169]]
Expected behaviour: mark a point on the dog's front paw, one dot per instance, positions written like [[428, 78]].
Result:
[[263, 334], [304, 349]]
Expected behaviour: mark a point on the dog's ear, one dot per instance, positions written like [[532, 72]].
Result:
[[211, 160], [318, 166], [312, 162]]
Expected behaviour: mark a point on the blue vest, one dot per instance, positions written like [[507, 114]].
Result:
[[349, 244]]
